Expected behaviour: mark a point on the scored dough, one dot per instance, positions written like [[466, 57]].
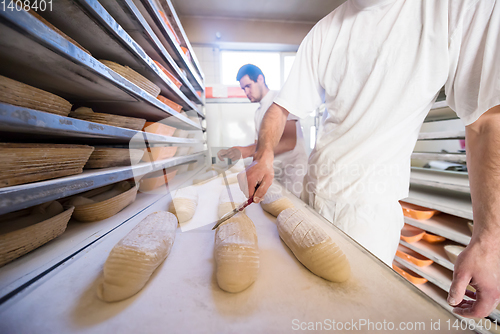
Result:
[[274, 202], [184, 203], [228, 203], [133, 260], [312, 246], [236, 254]]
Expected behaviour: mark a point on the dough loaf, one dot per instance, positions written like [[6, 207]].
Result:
[[133, 260], [184, 203], [236, 254], [312, 246], [274, 202], [229, 201]]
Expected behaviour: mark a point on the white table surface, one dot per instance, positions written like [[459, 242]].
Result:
[[182, 296]]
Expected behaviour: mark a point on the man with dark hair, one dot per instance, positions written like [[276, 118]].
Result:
[[378, 65], [290, 155]]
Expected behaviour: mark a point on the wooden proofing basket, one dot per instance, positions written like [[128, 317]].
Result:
[[25, 163], [104, 157], [109, 119], [105, 209], [22, 95], [17, 243], [133, 77]]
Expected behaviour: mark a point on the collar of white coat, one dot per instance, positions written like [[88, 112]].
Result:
[[370, 4], [268, 98]]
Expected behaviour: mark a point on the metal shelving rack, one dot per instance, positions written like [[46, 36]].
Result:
[[445, 191], [149, 10], [33, 53]]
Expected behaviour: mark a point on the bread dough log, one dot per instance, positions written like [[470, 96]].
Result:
[[274, 202], [184, 203], [231, 178], [134, 258], [229, 203], [312, 246], [236, 254], [205, 177]]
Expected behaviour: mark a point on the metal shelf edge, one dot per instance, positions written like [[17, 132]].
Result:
[[26, 195]]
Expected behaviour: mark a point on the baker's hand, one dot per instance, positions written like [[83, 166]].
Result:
[[479, 266], [233, 153], [261, 173]]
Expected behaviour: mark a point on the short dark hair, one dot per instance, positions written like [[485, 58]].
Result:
[[251, 70]]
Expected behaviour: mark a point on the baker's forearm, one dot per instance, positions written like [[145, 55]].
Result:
[[271, 130], [478, 265], [483, 161]]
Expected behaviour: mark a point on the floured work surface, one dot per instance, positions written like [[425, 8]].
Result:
[[182, 296]]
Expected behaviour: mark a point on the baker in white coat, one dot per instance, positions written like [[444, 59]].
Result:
[[290, 160], [378, 65]]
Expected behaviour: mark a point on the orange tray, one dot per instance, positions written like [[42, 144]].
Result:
[[169, 75], [417, 212], [171, 104], [411, 234], [158, 153], [409, 275], [159, 128], [169, 26], [151, 183], [413, 257], [432, 238]]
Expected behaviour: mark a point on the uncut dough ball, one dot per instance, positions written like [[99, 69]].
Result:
[[184, 203]]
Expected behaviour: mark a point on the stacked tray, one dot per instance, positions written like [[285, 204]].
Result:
[[158, 153], [25, 163], [87, 114], [22, 95], [159, 129], [171, 104], [133, 77], [156, 181], [169, 75], [19, 241], [104, 157]]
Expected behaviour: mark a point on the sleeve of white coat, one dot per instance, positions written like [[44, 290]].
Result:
[[473, 85], [302, 92]]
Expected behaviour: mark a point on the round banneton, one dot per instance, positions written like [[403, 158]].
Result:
[[113, 120], [133, 77], [104, 157], [105, 209], [24, 163], [17, 243], [22, 95]]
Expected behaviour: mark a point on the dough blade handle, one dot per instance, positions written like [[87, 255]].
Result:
[[232, 213]]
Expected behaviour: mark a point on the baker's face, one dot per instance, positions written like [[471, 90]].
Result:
[[253, 90]]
